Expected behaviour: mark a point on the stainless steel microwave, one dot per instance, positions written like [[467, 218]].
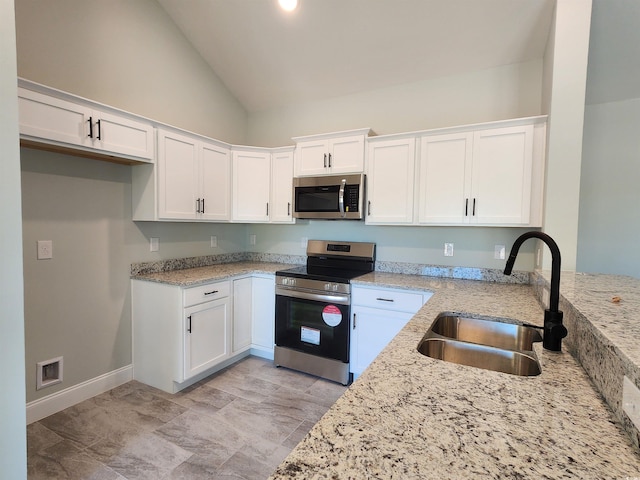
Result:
[[334, 197]]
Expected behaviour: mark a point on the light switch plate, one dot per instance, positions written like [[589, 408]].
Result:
[[45, 249], [631, 401]]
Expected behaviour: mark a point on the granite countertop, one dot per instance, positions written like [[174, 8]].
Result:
[[190, 277], [410, 416]]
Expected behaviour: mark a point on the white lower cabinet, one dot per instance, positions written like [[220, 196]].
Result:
[[205, 339], [182, 334], [179, 333], [254, 315], [377, 315]]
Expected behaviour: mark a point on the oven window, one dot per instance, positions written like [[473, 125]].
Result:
[[315, 327], [317, 199]]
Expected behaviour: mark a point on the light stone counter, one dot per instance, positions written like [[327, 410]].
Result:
[[190, 277], [412, 417]]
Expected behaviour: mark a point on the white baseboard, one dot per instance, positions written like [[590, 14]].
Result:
[[43, 407]]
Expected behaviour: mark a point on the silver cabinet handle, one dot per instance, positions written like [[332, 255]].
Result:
[[267, 209], [341, 197], [354, 321]]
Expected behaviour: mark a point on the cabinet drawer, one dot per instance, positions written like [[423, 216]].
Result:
[[388, 299], [205, 293]]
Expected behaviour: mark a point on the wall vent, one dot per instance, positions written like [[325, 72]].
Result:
[[49, 373]]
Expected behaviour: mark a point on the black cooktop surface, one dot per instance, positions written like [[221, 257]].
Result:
[[325, 274]]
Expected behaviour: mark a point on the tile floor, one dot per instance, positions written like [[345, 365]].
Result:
[[239, 423]]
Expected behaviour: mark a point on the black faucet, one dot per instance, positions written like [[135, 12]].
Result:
[[554, 331]]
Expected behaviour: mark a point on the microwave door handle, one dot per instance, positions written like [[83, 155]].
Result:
[[341, 197]]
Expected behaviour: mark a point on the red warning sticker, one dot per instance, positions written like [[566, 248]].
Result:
[[332, 315]]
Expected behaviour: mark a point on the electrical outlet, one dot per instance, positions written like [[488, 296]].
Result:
[[214, 241], [631, 401], [154, 244], [499, 252], [448, 249], [45, 249], [252, 239]]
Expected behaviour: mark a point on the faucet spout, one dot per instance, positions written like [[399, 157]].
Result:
[[554, 330]]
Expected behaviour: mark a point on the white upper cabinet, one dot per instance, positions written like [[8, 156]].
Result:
[[332, 153], [262, 185], [215, 175], [281, 210], [251, 185], [67, 122], [193, 178], [390, 169], [445, 179], [486, 176]]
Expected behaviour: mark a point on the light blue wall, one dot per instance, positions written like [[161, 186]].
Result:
[[13, 447], [609, 227]]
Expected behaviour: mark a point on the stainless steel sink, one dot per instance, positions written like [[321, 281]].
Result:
[[481, 356], [486, 332], [485, 343]]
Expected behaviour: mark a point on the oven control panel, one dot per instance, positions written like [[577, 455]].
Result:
[[294, 283]]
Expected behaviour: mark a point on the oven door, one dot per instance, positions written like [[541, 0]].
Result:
[[314, 323]]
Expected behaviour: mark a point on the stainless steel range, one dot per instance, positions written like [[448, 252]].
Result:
[[313, 308]]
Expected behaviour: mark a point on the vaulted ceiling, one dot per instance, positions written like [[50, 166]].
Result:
[[269, 58]]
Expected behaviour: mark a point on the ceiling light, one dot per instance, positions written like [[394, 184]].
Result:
[[288, 5]]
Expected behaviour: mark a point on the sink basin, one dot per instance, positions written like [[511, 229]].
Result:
[[483, 343], [481, 356], [486, 332]]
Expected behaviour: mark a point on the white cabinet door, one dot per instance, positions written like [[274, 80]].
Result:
[[311, 157], [123, 136], [48, 119], [281, 206], [390, 180], [242, 310], [251, 186], [45, 117], [330, 154], [445, 179], [346, 154], [177, 176], [501, 175], [206, 332], [263, 318], [371, 330], [215, 178]]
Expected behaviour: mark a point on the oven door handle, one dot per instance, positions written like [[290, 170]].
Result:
[[316, 297], [341, 197]]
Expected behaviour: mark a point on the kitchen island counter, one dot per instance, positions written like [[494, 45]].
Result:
[[412, 417]]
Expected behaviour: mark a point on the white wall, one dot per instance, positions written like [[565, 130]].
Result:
[[609, 226], [509, 91], [128, 54], [565, 83], [13, 446]]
